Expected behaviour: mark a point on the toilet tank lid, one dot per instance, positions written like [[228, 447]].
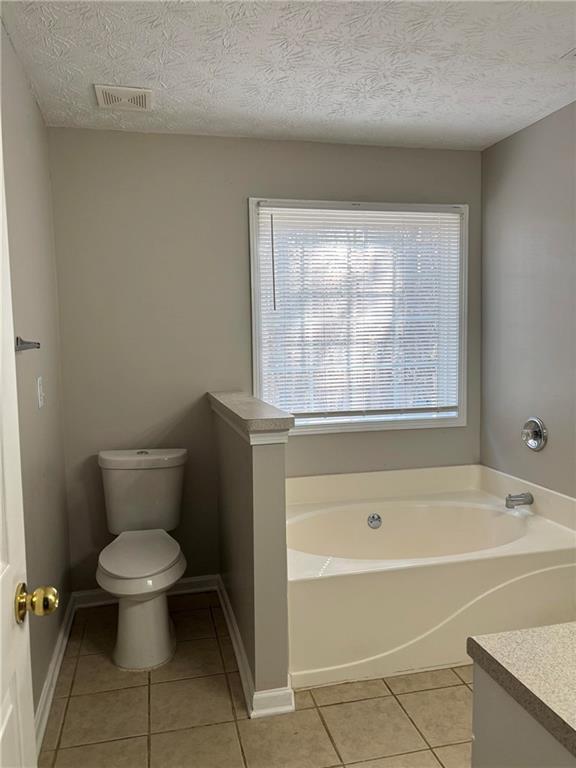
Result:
[[143, 458]]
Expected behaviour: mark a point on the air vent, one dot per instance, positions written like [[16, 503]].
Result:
[[122, 97]]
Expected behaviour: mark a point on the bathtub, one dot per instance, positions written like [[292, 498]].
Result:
[[447, 561]]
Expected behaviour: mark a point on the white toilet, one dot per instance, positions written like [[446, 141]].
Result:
[[142, 490]]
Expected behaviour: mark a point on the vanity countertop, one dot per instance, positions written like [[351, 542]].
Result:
[[537, 667]]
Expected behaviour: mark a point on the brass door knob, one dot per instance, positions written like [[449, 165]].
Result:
[[41, 602]]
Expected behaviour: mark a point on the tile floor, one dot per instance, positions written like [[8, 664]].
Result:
[[190, 712]]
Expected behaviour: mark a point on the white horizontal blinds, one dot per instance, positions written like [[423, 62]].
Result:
[[359, 310]]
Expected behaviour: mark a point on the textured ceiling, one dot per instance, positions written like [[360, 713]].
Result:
[[434, 74]]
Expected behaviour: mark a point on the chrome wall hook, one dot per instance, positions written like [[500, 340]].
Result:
[[22, 345]]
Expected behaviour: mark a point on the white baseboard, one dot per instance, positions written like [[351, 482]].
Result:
[[274, 701], [93, 597], [85, 599], [195, 584], [45, 702]]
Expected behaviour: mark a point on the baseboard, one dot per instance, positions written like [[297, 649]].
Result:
[[274, 701], [195, 584], [45, 702], [93, 597], [87, 598]]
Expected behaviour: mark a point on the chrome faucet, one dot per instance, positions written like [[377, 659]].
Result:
[[514, 500]]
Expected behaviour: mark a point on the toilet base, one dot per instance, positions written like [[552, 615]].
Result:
[[145, 636]]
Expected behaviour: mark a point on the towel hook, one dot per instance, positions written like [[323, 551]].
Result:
[[22, 345]]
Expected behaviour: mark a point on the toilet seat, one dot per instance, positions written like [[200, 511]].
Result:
[[139, 554]]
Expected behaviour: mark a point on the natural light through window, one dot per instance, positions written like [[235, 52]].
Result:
[[359, 313]]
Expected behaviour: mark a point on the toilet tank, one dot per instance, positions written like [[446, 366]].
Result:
[[142, 488]]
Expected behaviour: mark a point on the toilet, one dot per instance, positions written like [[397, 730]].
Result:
[[142, 490]]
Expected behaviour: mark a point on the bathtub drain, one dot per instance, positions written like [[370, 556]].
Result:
[[374, 520]]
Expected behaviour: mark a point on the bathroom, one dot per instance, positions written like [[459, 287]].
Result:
[[330, 560]]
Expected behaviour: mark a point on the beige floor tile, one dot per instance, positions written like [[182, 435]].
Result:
[[193, 658], [54, 724], [296, 740], [303, 700], [455, 756], [424, 759], [219, 621], [374, 728], [104, 716], [422, 681], [338, 694], [46, 759], [238, 699], [194, 625], [74, 640], [191, 601], [187, 703], [444, 716], [98, 638], [97, 673], [65, 677], [210, 746], [465, 673], [124, 753], [230, 663]]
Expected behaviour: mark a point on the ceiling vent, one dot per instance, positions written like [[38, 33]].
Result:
[[122, 97]]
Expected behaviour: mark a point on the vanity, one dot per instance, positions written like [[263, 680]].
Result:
[[525, 698]]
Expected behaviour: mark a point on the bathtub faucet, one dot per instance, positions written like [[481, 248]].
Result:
[[514, 500]]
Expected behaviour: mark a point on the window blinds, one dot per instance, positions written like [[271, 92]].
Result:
[[357, 310]]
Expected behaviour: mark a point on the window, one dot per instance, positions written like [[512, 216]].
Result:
[[359, 313]]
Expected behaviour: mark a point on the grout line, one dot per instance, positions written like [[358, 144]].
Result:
[[384, 696], [227, 677], [412, 721], [452, 744], [427, 690], [106, 741], [65, 713], [236, 726], [438, 746], [325, 725], [378, 759]]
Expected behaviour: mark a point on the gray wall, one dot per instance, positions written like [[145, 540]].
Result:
[[33, 266], [152, 244], [529, 300]]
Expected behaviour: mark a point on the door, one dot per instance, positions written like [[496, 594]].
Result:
[[17, 737]]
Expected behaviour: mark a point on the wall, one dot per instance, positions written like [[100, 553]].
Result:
[[529, 311], [152, 243], [33, 266]]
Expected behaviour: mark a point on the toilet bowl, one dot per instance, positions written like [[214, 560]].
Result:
[[142, 491], [138, 568]]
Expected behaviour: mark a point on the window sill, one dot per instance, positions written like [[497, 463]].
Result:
[[363, 424]]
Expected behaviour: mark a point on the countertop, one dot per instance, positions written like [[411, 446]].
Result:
[[537, 667], [248, 414]]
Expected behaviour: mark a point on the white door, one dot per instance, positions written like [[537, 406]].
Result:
[[17, 737]]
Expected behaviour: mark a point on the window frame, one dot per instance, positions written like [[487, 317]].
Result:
[[366, 423]]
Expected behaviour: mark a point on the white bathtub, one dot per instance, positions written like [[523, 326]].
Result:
[[448, 561]]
